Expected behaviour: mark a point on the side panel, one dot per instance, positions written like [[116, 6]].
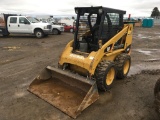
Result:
[[12, 24], [109, 47], [24, 25]]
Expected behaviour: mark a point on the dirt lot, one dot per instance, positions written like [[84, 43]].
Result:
[[23, 57]]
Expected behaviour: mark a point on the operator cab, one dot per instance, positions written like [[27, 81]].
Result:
[[95, 26]]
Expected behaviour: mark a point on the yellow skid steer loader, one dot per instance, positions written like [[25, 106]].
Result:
[[99, 53]]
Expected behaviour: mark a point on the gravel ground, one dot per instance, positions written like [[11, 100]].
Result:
[[23, 57]]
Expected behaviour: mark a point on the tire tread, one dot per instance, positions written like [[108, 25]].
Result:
[[100, 74]]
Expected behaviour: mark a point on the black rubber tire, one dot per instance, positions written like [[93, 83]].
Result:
[[5, 35], [157, 96], [39, 34], [120, 62], [101, 72], [55, 32], [157, 89], [45, 35], [157, 106], [59, 33]]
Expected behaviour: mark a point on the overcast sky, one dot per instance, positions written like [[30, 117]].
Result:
[[66, 7]]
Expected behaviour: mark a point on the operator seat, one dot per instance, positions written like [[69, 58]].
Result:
[[93, 45]]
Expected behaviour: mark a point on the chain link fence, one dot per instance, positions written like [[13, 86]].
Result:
[[156, 21]]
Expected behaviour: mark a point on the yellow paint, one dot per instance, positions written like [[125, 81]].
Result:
[[110, 76], [79, 70], [126, 67], [89, 61]]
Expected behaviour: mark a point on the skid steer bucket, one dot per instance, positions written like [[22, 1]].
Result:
[[68, 92]]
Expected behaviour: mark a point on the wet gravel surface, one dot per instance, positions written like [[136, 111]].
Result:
[[23, 57]]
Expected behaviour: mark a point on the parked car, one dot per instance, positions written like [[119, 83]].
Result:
[[68, 28], [57, 29], [14, 24]]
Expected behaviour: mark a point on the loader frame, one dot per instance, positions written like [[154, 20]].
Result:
[[118, 42]]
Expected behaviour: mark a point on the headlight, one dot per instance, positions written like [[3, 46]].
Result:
[[45, 27]]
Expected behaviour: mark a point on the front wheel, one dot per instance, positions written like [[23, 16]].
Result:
[[55, 32], [39, 33], [123, 63], [105, 74], [157, 89]]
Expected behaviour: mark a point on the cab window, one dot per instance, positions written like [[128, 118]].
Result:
[[13, 20], [114, 17], [23, 20]]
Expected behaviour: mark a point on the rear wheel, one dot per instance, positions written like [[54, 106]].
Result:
[[39, 33], [5, 35], [157, 95], [59, 32], [45, 35], [157, 89], [55, 32], [71, 30], [105, 75], [123, 63]]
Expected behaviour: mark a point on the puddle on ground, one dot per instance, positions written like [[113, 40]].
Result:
[[19, 94], [152, 60], [145, 52], [156, 36], [148, 51], [157, 33], [135, 69], [4, 61], [11, 48], [25, 84], [144, 37]]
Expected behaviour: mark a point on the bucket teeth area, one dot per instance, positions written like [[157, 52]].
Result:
[[66, 91]]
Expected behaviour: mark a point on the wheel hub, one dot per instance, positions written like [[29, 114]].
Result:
[[39, 34], [110, 76], [126, 67]]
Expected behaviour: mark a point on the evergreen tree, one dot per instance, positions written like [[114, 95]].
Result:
[[155, 13]]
